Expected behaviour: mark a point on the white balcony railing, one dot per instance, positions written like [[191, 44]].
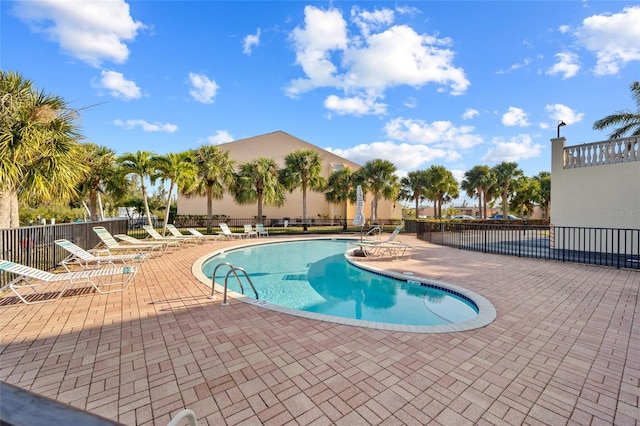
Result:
[[613, 151]]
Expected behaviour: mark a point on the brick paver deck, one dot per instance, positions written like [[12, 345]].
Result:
[[564, 349]]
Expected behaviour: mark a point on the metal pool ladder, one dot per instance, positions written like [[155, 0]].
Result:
[[232, 270]]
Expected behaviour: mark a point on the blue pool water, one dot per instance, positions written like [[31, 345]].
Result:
[[313, 276]]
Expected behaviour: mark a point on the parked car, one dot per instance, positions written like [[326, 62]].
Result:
[[500, 217], [463, 217]]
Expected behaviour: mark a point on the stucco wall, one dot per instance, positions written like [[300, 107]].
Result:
[[602, 196], [278, 145]]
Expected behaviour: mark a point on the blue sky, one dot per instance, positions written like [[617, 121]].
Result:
[[454, 83]]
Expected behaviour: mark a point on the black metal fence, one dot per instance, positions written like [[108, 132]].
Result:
[[618, 248], [34, 245]]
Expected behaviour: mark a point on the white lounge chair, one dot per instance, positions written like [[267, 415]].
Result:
[[176, 233], [261, 230], [155, 235], [84, 259], [42, 282], [249, 231], [134, 242], [392, 249], [390, 239], [114, 247], [198, 234], [227, 232]]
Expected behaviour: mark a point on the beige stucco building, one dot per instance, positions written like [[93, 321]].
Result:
[[278, 145]]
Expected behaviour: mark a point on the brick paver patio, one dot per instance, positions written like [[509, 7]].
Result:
[[564, 349]]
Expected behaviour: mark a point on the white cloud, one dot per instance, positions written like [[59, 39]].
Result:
[[614, 38], [404, 156], [442, 134], [562, 112], [118, 86], [146, 126], [373, 61], [567, 65], [354, 106], [515, 149], [250, 41], [517, 65], [202, 88], [411, 102], [92, 31], [221, 136], [515, 117], [469, 113]]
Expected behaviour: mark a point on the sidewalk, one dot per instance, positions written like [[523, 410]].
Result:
[[564, 349]]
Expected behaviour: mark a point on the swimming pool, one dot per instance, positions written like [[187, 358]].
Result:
[[312, 278]]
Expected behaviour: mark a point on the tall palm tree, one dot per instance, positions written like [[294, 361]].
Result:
[[257, 181], [442, 187], [544, 180], [477, 183], [214, 176], [505, 173], [101, 162], [414, 187], [341, 189], [141, 164], [378, 177], [303, 169], [40, 153], [178, 169], [628, 121]]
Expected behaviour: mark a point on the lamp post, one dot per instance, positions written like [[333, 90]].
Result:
[[560, 124]]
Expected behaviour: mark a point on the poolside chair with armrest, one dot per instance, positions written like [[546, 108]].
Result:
[[249, 231], [176, 233], [390, 239], [261, 230], [38, 280], [198, 234], [134, 242], [85, 259], [396, 250], [155, 236], [228, 234], [114, 247]]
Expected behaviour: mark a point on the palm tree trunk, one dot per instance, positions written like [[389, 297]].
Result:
[[93, 205], [344, 214], [146, 205], [374, 209], [259, 219], [209, 211], [304, 207], [417, 205]]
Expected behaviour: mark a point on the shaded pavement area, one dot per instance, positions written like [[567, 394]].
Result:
[[564, 349]]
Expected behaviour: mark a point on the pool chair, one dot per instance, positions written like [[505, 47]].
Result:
[[134, 242], [198, 234], [188, 238], [42, 283], [228, 234], [391, 237], [381, 250], [86, 260], [262, 232], [155, 236], [114, 247], [250, 232]]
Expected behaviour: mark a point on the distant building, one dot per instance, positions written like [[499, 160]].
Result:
[[278, 145]]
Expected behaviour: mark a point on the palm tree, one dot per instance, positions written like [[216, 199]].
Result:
[[257, 181], [477, 183], [178, 169], [414, 187], [141, 164], [442, 187], [544, 180], [628, 121], [505, 173], [378, 177], [341, 188], [526, 193], [303, 169], [101, 162], [40, 156], [214, 176]]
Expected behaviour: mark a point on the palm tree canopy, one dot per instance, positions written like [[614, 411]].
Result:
[[628, 121], [340, 186], [378, 177], [215, 171], [303, 168], [259, 178]]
